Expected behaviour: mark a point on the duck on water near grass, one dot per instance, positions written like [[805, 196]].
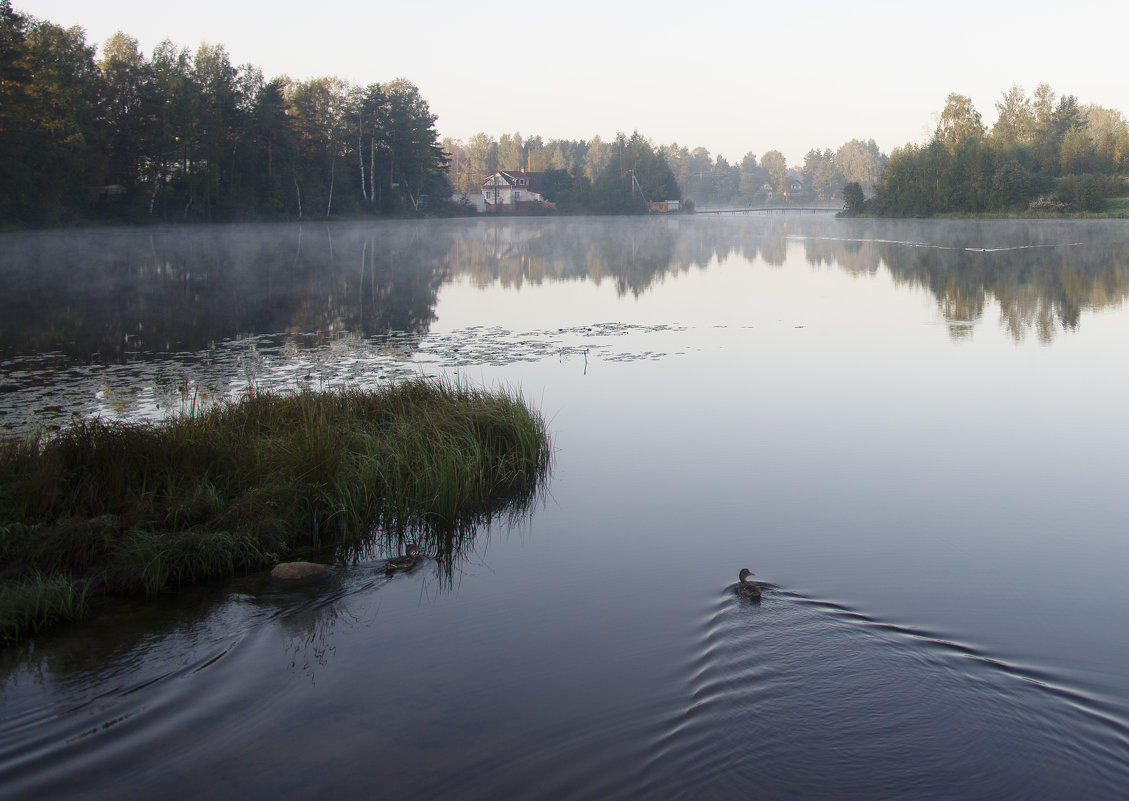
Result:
[[746, 588], [406, 561]]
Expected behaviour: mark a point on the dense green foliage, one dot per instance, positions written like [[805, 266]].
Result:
[[118, 135], [182, 135], [853, 199], [113, 134], [1042, 154], [635, 174], [119, 508]]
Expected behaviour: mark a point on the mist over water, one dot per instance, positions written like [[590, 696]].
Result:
[[914, 433], [141, 322]]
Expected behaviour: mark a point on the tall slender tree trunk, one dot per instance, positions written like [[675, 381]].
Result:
[[158, 179], [329, 200], [361, 156], [411, 197], [372, 168], [298, 192]]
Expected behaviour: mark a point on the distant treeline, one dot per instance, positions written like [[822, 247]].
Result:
[[1043, 153], [182, 135], [634, 174], [706, 180], [112, 134]]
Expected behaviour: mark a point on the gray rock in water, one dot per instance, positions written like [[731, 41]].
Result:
[[299, 571]]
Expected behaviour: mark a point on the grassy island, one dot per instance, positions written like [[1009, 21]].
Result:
[[130, 508]]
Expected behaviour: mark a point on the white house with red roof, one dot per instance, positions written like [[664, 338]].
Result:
[[513, 188]]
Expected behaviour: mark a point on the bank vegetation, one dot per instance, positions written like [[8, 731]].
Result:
[[138, 508], [1045, 156]]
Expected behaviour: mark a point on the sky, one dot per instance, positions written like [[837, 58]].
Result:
[[732, 77]]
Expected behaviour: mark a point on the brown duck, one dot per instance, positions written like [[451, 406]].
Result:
[[746, 588], [406, 561]]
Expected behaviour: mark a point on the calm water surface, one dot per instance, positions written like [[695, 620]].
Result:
[[917, 435]]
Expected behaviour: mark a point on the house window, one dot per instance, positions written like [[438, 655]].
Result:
[[517, 196]]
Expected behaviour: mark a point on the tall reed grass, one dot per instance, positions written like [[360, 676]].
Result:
[[137, 508]]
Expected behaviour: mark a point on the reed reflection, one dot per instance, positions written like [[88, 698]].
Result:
[[312, 616], [446, 545]]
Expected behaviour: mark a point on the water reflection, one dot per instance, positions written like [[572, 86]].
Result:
[[196, 626], [1042, 275], [798, 697], [939, 504], [112, 297], [138, 324]]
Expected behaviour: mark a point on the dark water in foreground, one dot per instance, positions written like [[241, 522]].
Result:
[[916, 435]]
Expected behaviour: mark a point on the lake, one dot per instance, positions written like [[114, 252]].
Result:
[[915, 434]]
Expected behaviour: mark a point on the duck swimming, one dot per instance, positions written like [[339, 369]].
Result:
[[746, 588], [405, 561]]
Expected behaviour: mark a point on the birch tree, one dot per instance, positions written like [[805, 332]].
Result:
[[317, 110]]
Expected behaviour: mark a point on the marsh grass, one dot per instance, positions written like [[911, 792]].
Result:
[[138, 508], [36, 602]]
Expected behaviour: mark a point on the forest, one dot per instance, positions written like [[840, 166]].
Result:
[[109, 134], [1045, 154], [704, 179], [182, 135]]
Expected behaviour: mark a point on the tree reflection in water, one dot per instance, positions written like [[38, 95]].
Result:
[[140, 323], [115, 296]]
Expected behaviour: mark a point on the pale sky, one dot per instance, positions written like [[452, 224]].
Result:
[[728, 76]]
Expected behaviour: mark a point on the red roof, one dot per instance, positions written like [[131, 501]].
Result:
[[532, 179]]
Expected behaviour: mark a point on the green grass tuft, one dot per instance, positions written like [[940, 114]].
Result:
[[139, 508], [36, 602]]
